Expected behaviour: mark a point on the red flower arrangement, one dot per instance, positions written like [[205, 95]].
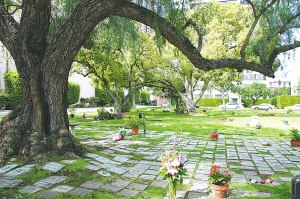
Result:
[[214, 134]]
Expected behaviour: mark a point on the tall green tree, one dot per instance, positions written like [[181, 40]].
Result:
[[119, 61], [255, 91], [43, 56], [225, 82]]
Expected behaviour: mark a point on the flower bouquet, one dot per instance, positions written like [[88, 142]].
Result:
[[214, 134], [173, 169]]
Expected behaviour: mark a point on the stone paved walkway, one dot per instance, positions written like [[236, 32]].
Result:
[[245, 153]]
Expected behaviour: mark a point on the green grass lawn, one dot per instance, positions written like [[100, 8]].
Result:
[[196, 124], [204, 123]]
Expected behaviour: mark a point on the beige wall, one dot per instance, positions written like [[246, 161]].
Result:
[[161, 101]]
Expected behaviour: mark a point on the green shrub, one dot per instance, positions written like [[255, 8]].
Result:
[[127, 107], [103, 96], [145, 96], [13, 89], [3, 99], [286, 100], [73, 93], [94, 101], [211, 101], [81, 105]]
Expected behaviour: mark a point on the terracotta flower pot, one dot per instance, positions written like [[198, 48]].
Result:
[[295, 143], [135, 131], [219, 191]]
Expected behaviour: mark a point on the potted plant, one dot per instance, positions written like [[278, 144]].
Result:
[[176, 110], [231, 119], [134, 123], [72, 111], [224, 119], [182, 109], [219, 181], [295, 137], [122, 133], [258, 126]]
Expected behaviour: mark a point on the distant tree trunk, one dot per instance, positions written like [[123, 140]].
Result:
[[223, 98]]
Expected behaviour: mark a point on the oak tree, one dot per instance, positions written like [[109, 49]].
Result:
[[43, 55]]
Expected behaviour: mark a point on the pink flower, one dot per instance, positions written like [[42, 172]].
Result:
[[271, 181], [164, 158], [262, 182], [175, 163], [168, 153], [171, 169], [180, 156]]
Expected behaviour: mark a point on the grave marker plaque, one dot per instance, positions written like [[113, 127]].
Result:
[[18, 171], [30, 189], [103, 173], [8, 168], [53, 167]]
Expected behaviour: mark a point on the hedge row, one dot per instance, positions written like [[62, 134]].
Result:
[[73, 93], [145, 96], [211, 101], [285, 100]]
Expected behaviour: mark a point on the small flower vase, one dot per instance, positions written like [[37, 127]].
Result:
[[172, 190]]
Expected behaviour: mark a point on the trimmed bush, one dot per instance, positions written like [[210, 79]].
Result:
[[103, 96], [81, 105], [285, 100], [73, 93], [211, 101], [145, 96], [3, 99], [13, 90]]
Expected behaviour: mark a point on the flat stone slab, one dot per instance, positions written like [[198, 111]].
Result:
[[120, 158], [92, 155], [196, 195], [128, 192], [111, 187], [80, 191], [63, 188], [159, 183], [30, 189], [117, 170], [91, 184], [152, 172], [103, 173], [47, 182], [121, 183], [9, 183], [147, 177], [48, 194], [18, 171], [137, 186], [53, 167], [7, 168], [92, 167]]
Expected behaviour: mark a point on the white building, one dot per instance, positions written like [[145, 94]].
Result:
[[204, 2]]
